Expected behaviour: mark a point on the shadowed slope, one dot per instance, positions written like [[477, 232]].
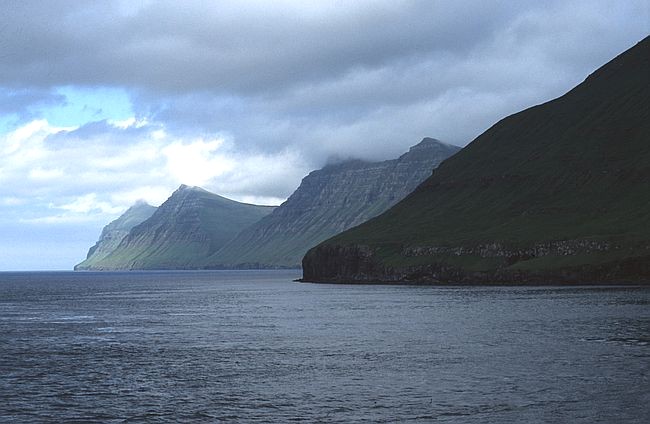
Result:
[[329, 201], [560, 191]]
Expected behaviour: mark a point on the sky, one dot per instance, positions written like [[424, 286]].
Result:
[[104, 103]]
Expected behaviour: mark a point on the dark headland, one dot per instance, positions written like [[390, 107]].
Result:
[[556, 194]]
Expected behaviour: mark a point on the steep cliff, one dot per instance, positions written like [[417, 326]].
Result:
[[557, 193], [186, 229], [114, 233], [329, 201]]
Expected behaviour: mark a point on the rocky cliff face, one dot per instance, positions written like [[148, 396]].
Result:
[[360, 264], [114, 233], [558, 193], [186, 229], [328, 201]]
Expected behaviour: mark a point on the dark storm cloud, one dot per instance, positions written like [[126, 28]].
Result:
[[365, 78], [230, 46]]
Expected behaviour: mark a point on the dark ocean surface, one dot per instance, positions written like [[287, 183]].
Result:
[[253, 346]]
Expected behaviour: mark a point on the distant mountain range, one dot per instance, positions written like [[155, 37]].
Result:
[[328, 201], [558, 193], [190, 226], [195, 229], [113, 234]]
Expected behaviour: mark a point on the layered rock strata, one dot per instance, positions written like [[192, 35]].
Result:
[[328, 201]]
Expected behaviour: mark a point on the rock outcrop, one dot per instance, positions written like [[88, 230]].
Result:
[[360, 264], [558, 193], [328, 201]]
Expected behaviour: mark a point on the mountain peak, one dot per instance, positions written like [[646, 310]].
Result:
[[429, 147], [187, 188], [428, 142], [187, 228], [140, 203]]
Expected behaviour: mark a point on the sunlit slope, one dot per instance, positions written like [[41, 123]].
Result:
[[114, 233], [186, 229]]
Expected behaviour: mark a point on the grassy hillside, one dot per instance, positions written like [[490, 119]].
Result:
[[113, 234], [572, 170], [186, 229]]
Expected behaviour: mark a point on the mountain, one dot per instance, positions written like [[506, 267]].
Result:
[[558, 193], [327, 202], [188, 227], [114, 233]]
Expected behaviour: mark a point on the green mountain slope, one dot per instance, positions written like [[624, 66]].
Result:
[[114, 233], [186, 229], [327, 202], [557, 193]]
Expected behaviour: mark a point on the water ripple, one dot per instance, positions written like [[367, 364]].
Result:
[[256, 347]]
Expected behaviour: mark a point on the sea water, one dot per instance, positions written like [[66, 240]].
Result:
[[254, 346]]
